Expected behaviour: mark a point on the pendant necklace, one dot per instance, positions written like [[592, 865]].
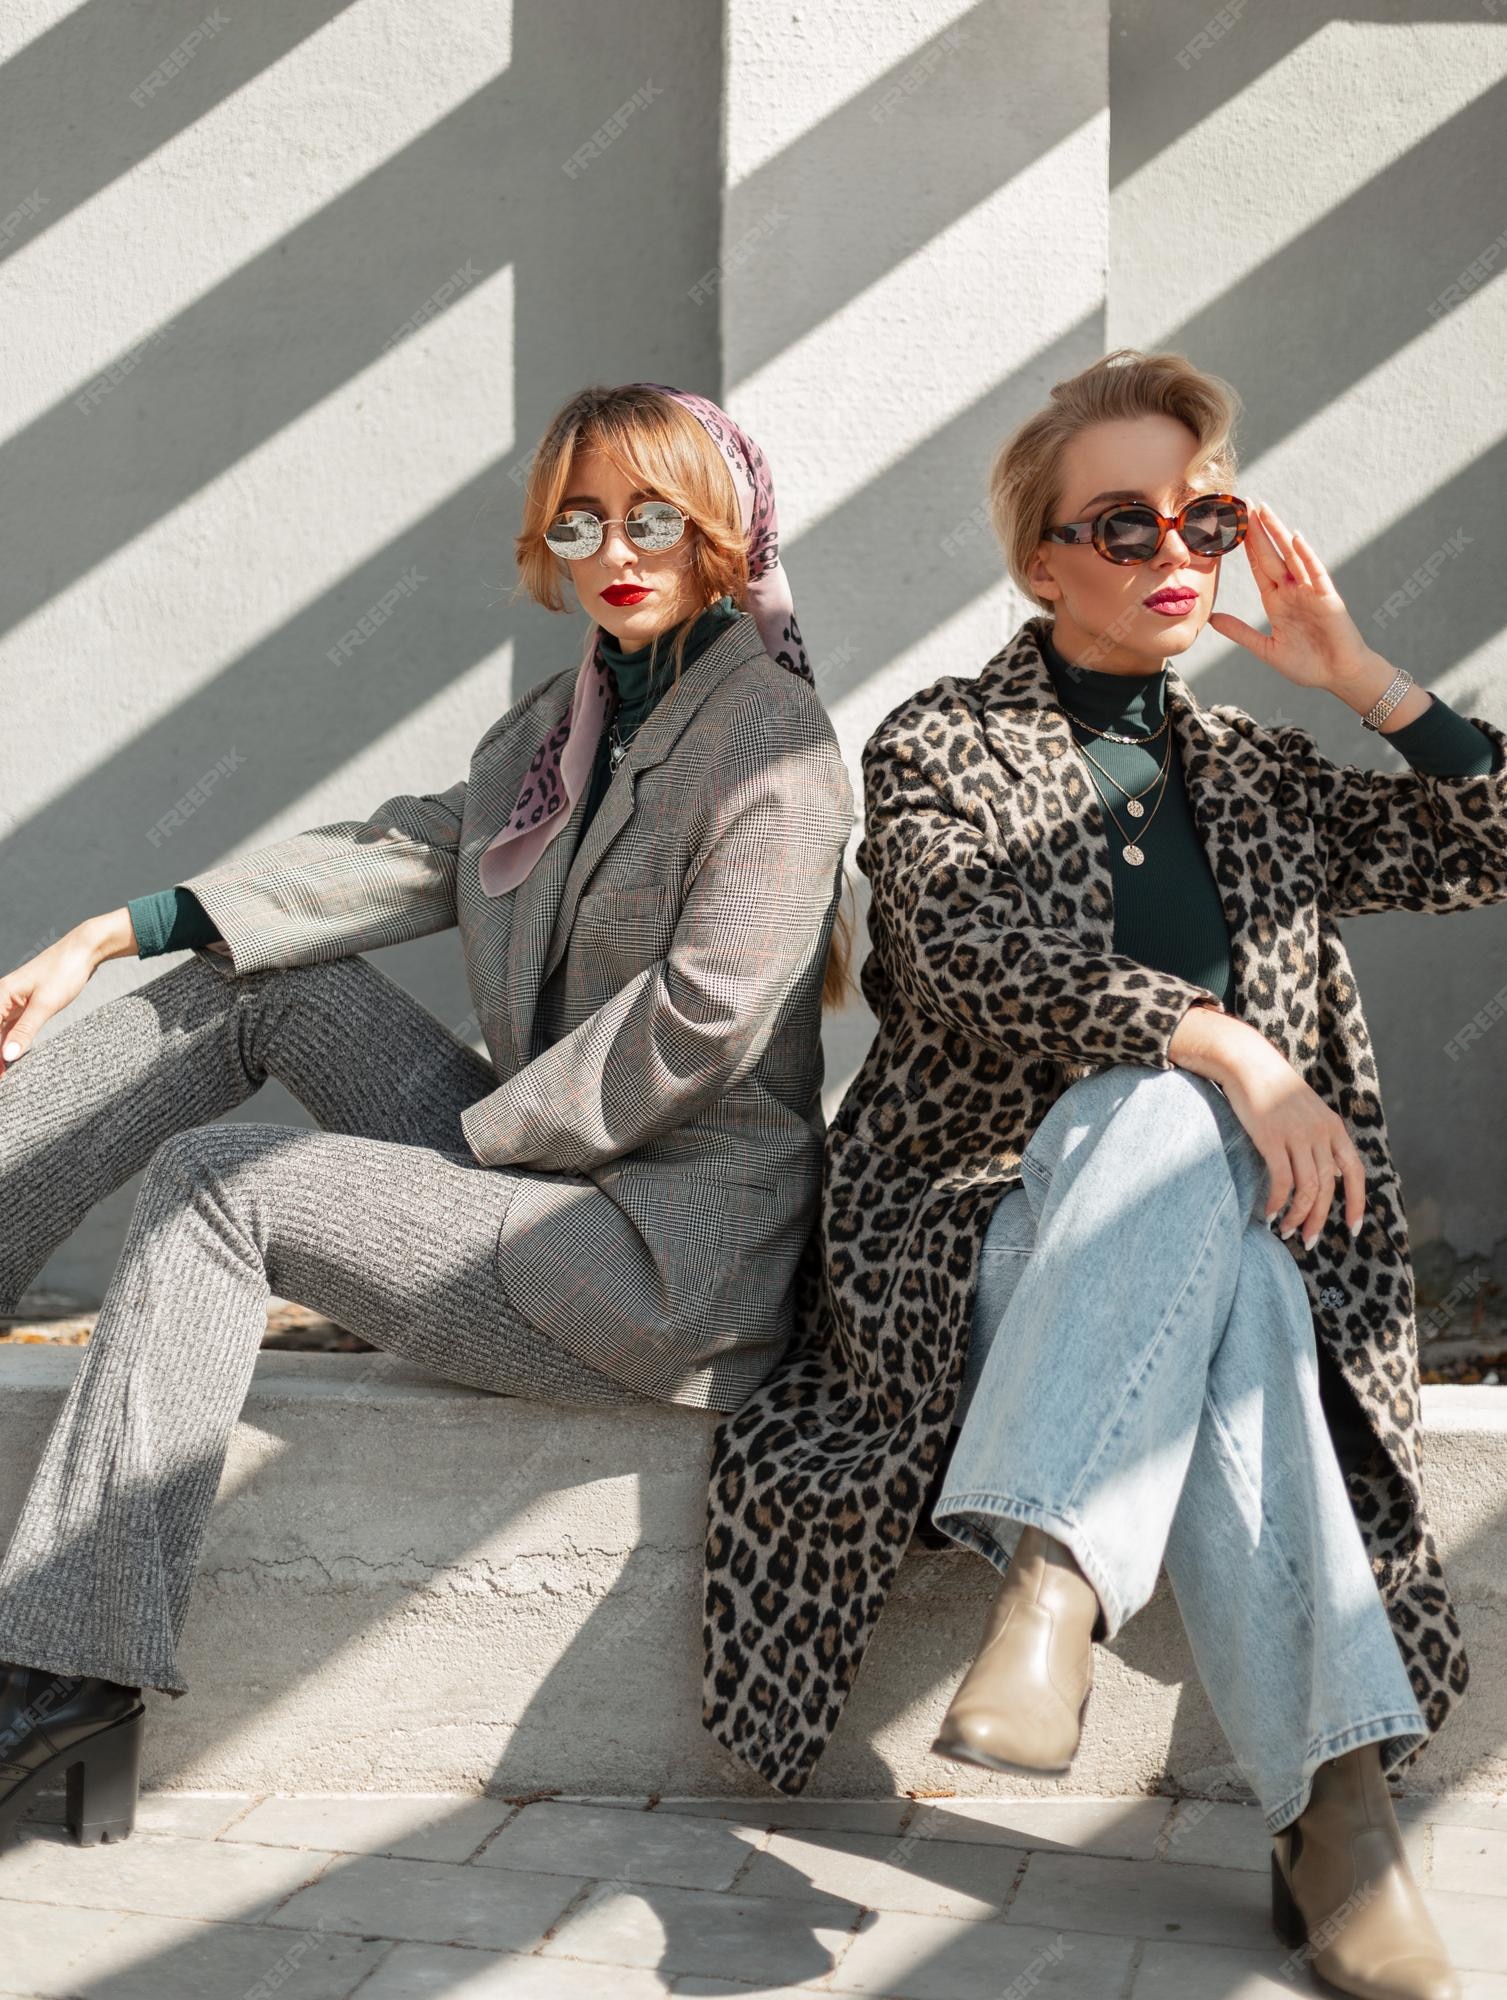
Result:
[[1132, 852], [617, 747]]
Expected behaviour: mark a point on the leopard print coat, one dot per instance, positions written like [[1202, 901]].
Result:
[[995, 983]]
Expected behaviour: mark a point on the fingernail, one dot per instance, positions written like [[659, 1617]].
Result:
[[11, 1051], [1288, 1231]]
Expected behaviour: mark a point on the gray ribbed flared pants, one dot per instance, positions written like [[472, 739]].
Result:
[[383, 1220]]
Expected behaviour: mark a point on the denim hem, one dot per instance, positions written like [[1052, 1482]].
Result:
[[1062, 1526], [1408, 1730]]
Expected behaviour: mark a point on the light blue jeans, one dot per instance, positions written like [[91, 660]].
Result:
[[1142, 1383]]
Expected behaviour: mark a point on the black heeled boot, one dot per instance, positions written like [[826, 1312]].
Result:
[[83, 1730]]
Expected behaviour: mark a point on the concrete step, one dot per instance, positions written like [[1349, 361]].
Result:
[[408, 1585]]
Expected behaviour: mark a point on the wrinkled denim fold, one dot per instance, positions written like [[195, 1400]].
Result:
[[1142, 1383]]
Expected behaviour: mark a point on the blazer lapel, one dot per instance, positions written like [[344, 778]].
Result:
[[546, 899]]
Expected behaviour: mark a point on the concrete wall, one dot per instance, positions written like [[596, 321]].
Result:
[[329, 277]]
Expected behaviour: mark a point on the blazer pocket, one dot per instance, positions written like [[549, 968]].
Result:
[[617, 932]]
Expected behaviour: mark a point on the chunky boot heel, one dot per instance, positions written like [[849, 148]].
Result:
[[102, 1786], [78, 1731], [1287, 1918]]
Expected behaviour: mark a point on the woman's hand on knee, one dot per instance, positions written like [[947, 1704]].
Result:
[[1306, 1146], [45, 985]]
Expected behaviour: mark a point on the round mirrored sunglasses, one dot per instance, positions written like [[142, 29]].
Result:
[[652, 525], [1130, 531]]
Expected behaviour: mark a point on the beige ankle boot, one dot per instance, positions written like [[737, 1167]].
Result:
[[1342, 1889], [1021, 1704]]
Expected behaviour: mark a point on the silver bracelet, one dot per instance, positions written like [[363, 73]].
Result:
[[1382, 707]]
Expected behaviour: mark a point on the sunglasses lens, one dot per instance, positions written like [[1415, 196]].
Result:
[[654, 524], [1211, 527], [1214, 529], [1128, 534], [574, 534]]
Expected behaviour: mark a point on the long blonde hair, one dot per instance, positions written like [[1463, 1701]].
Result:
[[1025, 486], [663, 449]]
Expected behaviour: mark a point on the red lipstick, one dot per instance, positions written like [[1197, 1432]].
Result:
[[1175, 600], [624, 593]]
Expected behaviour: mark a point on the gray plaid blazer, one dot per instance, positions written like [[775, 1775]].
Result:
[[650, 1000]]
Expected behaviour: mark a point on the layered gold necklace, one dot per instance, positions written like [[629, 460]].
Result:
[[1132, 851]]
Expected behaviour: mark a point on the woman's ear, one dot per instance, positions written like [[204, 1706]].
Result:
[[1041, 578]]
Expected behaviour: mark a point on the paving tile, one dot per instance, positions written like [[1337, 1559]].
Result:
[[419, 1826], [1142, 1899], [936, 1958], [1212, 1835], [697, 1983], [684, 1931], [163, 1876], [1125, 1827], [843, 1815], [452, 1972], [1482, 1809], [1199, 1972], [934, 1878], [431, 1901], [739, 1989], [1472, 1860], [643, 1804], [1473, 1928], [39, 1949], [640, 1849], [166, 1958], [190, 1815], [1202, 1971]]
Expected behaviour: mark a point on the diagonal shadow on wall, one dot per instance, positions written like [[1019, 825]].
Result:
[[903, 159], [1175, 63], [1359, 284], [100, 72]]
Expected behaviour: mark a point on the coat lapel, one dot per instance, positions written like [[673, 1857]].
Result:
[[544, 903], [1025, 726]]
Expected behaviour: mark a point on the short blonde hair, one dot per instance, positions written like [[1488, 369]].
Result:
[[1025, 487]]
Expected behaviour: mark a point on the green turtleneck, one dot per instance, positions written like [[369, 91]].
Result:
[[640, 681], [1167, 909]]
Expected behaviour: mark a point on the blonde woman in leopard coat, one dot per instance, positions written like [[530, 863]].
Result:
[[1112, 1191]]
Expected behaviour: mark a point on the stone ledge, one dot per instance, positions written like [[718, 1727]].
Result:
[[412, 1585]]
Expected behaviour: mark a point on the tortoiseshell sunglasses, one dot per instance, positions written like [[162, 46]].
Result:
[[1211, 524]]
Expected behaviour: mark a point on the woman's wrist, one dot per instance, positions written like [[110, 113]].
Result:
[[1213, 1043], [1369, 680], [108, 936]]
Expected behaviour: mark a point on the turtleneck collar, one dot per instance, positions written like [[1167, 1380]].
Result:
[[631, 671], [1134, 701]]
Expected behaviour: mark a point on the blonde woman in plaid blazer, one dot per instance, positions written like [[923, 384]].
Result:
[[606, 1207]]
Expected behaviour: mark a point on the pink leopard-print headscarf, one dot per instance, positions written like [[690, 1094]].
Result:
[[562, 768]]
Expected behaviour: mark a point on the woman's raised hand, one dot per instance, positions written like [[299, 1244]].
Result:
[[46, 984], [1314, 641]]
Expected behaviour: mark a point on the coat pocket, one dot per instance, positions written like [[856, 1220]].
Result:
[[617, 932], [700, 1226]]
